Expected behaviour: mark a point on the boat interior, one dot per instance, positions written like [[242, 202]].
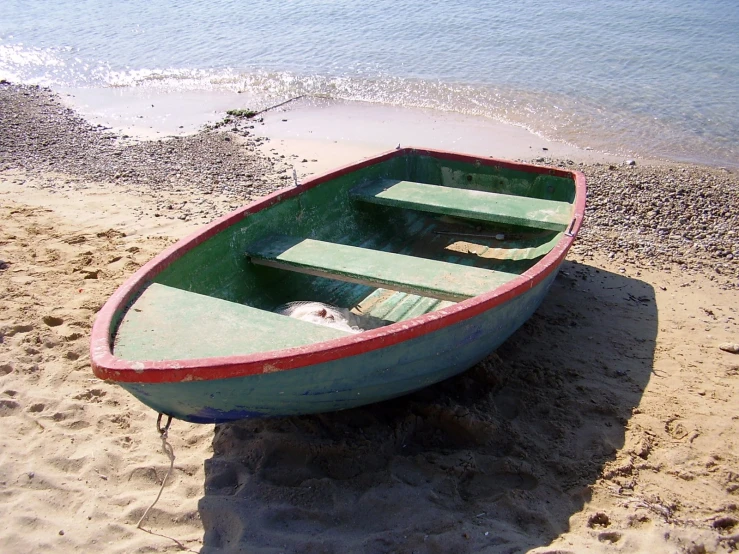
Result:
[[388, 241]]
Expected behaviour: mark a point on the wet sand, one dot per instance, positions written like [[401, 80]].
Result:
[[606, 424]]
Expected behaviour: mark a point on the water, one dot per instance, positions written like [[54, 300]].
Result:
[[657, 78]]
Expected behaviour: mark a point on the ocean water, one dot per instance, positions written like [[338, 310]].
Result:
[[633, 77]]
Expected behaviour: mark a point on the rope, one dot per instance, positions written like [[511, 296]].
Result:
[[167, 449], [280, 104]]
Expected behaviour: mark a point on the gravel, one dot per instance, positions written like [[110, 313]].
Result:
[[39, 134], [664, 216]]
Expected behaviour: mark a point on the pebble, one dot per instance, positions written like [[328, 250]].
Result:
[[39, 134], [731, 347], [662, 216]]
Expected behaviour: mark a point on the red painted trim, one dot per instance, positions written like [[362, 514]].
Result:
[[107, 366]]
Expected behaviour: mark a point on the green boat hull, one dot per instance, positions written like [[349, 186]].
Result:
[[450, 253]]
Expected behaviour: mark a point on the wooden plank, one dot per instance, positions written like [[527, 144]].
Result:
[[471, 204], [429, 278], [166, 323]]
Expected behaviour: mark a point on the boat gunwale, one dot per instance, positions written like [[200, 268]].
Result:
[[109, 367]]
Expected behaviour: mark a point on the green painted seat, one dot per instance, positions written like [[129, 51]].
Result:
[[471, 204], [166, 323], [430, 278]]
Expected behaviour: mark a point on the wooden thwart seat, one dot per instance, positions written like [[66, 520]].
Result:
[[429, 278], [472, 204], [167, 323]]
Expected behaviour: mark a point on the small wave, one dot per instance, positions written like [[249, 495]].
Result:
[[16, 55], [51, 67], [576, 120]]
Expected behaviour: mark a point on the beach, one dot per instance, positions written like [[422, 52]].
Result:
[[607, 423]]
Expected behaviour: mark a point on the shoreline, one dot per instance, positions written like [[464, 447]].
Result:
[[148, 115], [607, 422]]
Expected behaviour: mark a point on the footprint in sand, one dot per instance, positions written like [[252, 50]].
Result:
[[676, 429], [289, 465], [725, 523], [17, 329], [609, 536], [492, 485], [224, 477], [493, 479], [8, 407], [52, 321], [598, 519], [93, 395], [77, 425], [75, 239]]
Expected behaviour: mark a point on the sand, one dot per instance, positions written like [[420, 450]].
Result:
[[608, 423]]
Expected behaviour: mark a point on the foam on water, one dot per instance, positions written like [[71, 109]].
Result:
[[615, 75]]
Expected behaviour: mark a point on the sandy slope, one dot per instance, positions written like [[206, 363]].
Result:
[[607, 423]]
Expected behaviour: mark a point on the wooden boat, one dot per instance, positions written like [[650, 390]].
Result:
[[450, 253]]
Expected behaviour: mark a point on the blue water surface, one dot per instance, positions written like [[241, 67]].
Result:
[[656, 78]]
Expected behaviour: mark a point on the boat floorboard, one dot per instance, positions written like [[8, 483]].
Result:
[[394, 306]]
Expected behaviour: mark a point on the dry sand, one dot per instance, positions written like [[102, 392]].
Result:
[[608, 423]]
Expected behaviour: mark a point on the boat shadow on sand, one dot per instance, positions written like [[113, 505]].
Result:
[[496, 459]]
